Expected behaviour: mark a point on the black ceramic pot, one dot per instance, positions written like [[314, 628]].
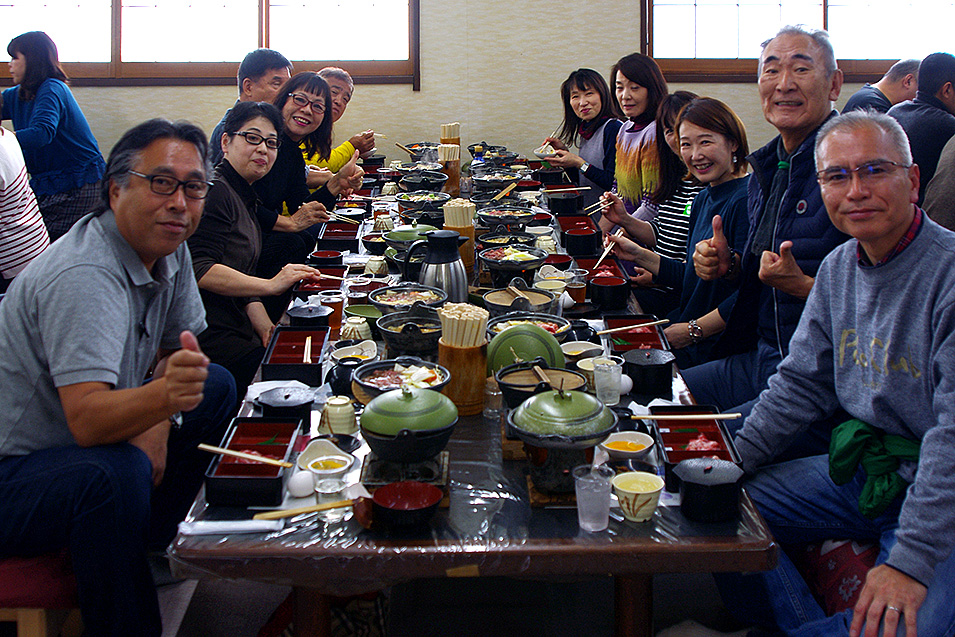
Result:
[[564, 203], [709, 489], [651, 371], [407, 445], [284, 402], [309, 315]]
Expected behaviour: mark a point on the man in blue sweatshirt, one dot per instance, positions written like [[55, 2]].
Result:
[[876, 339]]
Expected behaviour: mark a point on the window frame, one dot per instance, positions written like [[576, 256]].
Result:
[[118, 73], [706, 70]]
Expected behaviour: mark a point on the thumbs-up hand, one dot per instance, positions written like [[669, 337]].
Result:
[[185, 375], [711, 257], [781, 271]]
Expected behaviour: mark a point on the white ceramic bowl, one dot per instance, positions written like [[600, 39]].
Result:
[[576, 350], [366, 350], [627, 445], [319, 448], [331, 466]]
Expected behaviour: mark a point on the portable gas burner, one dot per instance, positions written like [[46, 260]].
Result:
[[376, 472]]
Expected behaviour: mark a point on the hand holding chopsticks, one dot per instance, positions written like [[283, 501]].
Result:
[[618, 233], [338, 217]]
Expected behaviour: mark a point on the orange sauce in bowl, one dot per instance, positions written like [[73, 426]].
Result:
[[625, 445]]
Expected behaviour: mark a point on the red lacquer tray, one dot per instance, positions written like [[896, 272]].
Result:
[[285, 356], [236, 482], [673, 437], [639, 338]]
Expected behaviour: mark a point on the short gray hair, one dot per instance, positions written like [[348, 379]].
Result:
[[819, 36], [867, 119], [900, 69], [339, 74]]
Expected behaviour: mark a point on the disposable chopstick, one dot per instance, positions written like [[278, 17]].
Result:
[[405, 148], [562, 189], [633, 327], [331, 276], [339, 217], [600, 209], [307, 356], [607, 250], [508, 188], [244, 456], [289, 513], [381, 135], [729, 416]]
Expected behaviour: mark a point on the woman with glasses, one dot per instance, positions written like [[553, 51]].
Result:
[[226, 245], [305, 104], [59, 149]]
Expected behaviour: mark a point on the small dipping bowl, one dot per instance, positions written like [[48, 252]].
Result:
[[574, 351], [330, 466], [638, 493], [609, 292], [627, 445]]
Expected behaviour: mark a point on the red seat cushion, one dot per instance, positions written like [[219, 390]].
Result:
[[835, 571], [44, 581]]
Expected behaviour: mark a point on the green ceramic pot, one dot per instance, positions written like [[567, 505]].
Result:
[[562, 420], [408, 408]]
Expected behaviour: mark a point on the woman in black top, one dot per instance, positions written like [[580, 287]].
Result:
[[226, 246]]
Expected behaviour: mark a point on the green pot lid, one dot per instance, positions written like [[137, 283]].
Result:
[[411, 232], [408, 408], [563, 413], [364, 311]]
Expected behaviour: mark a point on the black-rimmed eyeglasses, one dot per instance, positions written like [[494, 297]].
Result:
[[868, 173], [168, 185], [254, 139], [318, 106]]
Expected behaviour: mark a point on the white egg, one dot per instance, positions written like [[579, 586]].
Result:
[[301, 485], [626, 384], [565, 301]]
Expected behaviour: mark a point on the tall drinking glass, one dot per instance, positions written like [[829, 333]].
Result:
[[592, 487], [335, 300]]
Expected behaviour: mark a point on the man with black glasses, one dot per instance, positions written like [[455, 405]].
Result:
[[92, 458]]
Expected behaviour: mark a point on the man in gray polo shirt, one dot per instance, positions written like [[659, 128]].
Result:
[[92, 459]]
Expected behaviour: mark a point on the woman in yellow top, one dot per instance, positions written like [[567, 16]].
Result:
[[321, 168]]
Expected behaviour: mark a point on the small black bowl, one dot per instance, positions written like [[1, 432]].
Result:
[[609, 292], [405, 505]]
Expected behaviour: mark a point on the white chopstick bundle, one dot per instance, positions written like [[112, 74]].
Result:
[[463, 325], [451, 131], [449, 152], [458, 213]]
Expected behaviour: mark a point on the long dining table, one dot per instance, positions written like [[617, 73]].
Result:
[[488, 526]]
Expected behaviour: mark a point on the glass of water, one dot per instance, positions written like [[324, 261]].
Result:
[[592, 486], [607, 373], [330, 490]]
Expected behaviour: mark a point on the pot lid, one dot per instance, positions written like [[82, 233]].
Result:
[[287, 397], [412, 232], [649, 357], [408, 408], [567, 413], [708, 471]]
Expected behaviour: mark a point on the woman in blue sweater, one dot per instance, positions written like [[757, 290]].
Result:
[[713, 146], [60, 151]]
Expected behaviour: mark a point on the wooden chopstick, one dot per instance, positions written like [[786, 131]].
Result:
[[382, 135], [607, 250], [307, 356], [614, 330], [332, 276], [338, 217], [508, 188], [729, 416], [244, 456], [289, 513], [406, 149], [547, 190]]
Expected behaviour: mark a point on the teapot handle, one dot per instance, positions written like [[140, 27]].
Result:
[[409, 253]]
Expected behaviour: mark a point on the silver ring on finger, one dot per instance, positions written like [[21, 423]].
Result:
[[898, 610]]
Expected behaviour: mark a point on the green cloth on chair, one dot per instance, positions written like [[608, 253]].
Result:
[[880, 454]]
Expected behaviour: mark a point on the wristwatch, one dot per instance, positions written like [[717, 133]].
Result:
[[176, 421], [583, 167], [696, 332]]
